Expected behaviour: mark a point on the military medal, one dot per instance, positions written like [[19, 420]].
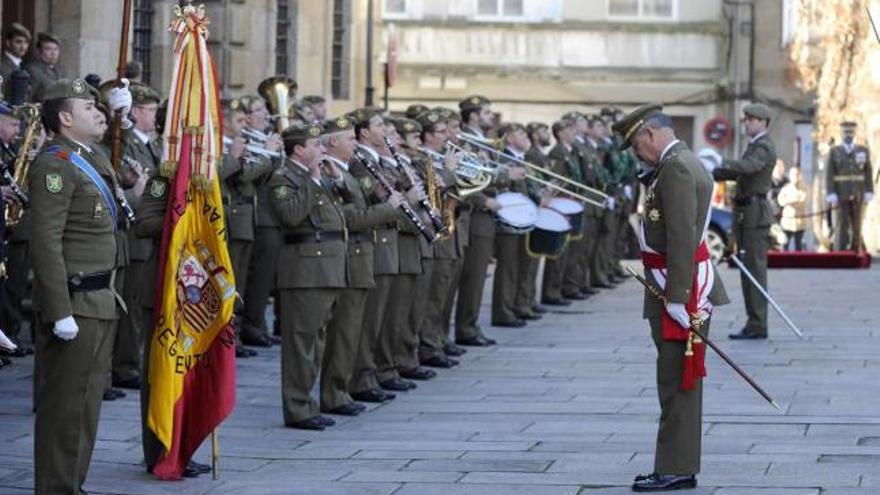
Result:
[[99, 209], [654, 214]]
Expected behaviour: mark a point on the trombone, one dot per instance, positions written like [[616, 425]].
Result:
[[472, 177], [485, 145]]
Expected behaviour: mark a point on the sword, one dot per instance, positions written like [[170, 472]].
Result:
[[766, 295], [695, 328]]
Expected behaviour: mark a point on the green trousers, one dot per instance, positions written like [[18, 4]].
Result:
[[127, 349], [470, 287], [344, 334], [441, 292], [395, 327], [364, 377], [410, 343], [752, 244], [506, 280]]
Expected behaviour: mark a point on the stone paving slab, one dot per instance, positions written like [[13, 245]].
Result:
[[565, 406]]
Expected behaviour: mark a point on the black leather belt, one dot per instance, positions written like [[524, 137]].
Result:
[[87, 283], [747, 200], [317, 236], [360, 237]]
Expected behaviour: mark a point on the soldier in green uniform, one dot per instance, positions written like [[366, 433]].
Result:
[[563, 161], [44, 68], [602, 267], [239, 174], [590, 158], [753, 213], [318, 105], [75, 214], [677, 205], [849, 186], [344, 331], [312, 270], [141, 159], [526, 303], [16, 40]]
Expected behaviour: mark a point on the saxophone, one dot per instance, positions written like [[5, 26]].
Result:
[[31, 114]]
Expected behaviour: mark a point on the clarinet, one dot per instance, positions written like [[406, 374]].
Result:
[[410, 213], [126, 207], [425, 203], [16, 189]]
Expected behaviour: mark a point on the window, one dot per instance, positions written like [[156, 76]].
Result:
[[500, 8], [646, 9], [283, 37], [397, 7], [339, 64], [142, 40]]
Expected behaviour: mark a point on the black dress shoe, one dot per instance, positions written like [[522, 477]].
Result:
[[588, 291], [538, 309], [312, 423], [529, 316], [111, 394], [575, 297], [518, 323], [396, 385], [131, 383], [275, 340], [360, 407], [451, 349], [19, 352], [325, 420], [343, 410], [199, 467], [440, 362], [555, 302], [746, 334], [602, 285], [418, 373], [374, 395], [244, 352], [478, 341], [663, 483], [256, 340]]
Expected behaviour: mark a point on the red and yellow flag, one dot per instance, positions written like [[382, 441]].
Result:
[[192, 360]]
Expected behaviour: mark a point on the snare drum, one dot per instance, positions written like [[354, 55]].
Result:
[[550, 234], [574, 211], [517, 214]]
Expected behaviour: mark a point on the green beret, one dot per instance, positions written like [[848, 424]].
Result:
[[473, 103], [562, 124], [47, 37], [429, 119], [406, 126], [630, 123], [363, 115], [509, 128], [574, 115], [413, 111], [447, 113], [535, 127], [15, 29], [141, 94], [248, 102], [299, 134], [234, 105], [313, 100], [757, 110], [339, 124], [71, 88]]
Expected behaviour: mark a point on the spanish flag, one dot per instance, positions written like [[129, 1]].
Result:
[[192, 358]]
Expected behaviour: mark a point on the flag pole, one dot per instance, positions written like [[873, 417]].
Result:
[[215, 456]]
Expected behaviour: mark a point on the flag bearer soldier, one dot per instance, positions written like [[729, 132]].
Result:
[[753, 212], [74, 215], [850, 187], [311, 273], [344, 331], [675, 256]]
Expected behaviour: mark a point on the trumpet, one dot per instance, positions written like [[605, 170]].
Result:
[[254, 136], [252, 151], [489, 146]]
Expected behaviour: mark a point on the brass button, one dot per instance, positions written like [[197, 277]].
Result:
[[384, 240], [318, 253], [357, 251]]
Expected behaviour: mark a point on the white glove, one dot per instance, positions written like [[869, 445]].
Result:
[[610, 203], [831, 199], [710, 159], [120, 99], [678, 313], [66, 328], [868, 197], [628, 192]]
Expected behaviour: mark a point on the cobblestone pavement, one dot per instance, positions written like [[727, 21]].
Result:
[[565, 406]]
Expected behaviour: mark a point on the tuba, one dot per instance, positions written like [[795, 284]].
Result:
[[279, 92], [30, 113]]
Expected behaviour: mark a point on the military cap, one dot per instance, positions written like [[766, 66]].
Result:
[[313, 99], [630, 123], [71, 88], [16, 29], [429, 119], [339, 124], [248, 101], [414, 110], [509, 128], [574, 115], [535, 127], [142, 94], [447, 113], [299, 134], [363, 115], [848, 124], [406, 126], [562, 124], [233, 105], [757, 110], [473, 102], [47, 37]]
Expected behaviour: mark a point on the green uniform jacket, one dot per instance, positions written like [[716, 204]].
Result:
[[849, 174], [74, 230], [42, 76], [361, 218], [386, 254], [135, 150], [753, 176], [304, 208], [238, 179], [408, 250], [150, 221], [676, 206], [6, 70], [590, 159]]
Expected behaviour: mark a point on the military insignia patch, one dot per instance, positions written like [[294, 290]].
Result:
[[408, 127], [281, 192], [157, 189], [78, 86], [654, 214], [342, 122], [314, 131], [433, 117], [366, 183], [475, 100], [54, 183]]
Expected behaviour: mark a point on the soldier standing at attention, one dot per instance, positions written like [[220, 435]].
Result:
[[674, 254], [75, 215], [753, 213], [849, 185], [44, 68], [312, 270], [16, 39]]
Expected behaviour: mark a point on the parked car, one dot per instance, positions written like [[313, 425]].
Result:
[[719, 238]]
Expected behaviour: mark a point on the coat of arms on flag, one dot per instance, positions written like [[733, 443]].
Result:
[[197, 297]]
